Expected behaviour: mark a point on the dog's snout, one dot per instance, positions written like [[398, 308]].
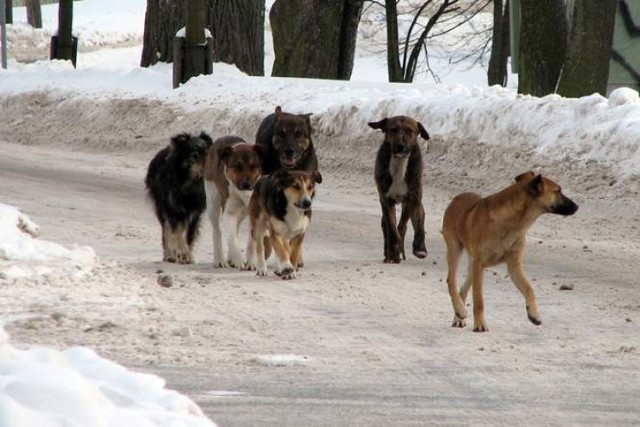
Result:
[[288, 151], [305, 203], [245, 184], [565, 207]]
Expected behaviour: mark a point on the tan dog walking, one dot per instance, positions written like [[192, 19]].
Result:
[[492, 230]]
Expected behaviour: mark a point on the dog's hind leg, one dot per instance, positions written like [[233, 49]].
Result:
[[234, 218], [214, 210], [402, 229], [183, 254], [514, 268], [477, 273], [169, 253], [454, 250], [390, 234], [193, 230]]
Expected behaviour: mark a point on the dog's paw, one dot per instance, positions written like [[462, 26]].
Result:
[[534, 317], [236, 260], [184, 257], [288, 273], [392, 260], [420, 253], [262, 272], [458, 322], [480, 327], [220, 264]]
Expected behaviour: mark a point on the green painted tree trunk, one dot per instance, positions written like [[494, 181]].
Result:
[[586, 69], [543, 42]]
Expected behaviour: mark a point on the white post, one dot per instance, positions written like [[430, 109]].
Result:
[[3, 33]]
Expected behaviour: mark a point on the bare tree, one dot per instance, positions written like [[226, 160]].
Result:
[[426, 21]]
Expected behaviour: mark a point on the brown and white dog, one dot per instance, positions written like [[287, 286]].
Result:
[[280, 208], [398, 175], [231, 170], [492, 230]]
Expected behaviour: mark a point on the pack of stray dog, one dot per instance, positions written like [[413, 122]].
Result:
[[273, 183]]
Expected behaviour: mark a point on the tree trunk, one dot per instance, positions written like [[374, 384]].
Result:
[[8, 16], [393, 43], [497, 73], [586, 68], [348, 35], [162, 21], [543, 42], [34, 13], [315, 38], [64, 48], [237, 27]]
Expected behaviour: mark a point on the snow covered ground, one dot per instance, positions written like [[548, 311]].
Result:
[[351, 337]]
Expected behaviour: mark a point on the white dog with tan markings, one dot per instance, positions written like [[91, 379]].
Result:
[[231, 170]]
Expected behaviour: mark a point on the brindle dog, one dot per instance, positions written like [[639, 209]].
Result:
[[287, 138], [398, 174]]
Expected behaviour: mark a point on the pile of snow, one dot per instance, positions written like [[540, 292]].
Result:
[[42, 387], [22, 254]]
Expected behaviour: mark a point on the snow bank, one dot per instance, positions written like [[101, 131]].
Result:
[[41, 387], [23, 255]]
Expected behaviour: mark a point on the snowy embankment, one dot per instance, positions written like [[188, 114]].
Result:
[[581, 131], [46, 387], [76, 387]]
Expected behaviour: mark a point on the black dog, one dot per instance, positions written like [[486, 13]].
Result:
[[288, 141], [175, 185], [398, 174]]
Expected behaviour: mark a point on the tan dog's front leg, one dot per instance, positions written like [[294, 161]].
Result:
[[477, 273], [514, 268], [281, 248], [296, 251]]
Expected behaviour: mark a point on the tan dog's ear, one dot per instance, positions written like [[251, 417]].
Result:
[[423, 131], [382, 124], [317, 177], [536, 187], [225, 152], [522, 176]]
